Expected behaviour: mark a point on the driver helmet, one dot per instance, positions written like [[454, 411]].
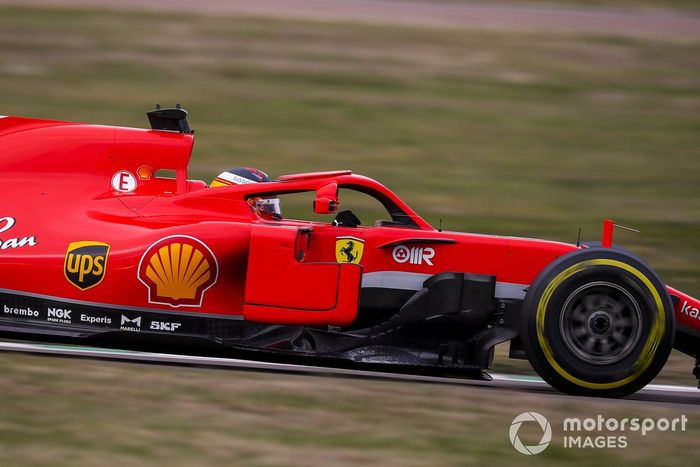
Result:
[[245, 176]]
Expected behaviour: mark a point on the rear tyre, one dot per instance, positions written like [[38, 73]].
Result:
[[598, 322]]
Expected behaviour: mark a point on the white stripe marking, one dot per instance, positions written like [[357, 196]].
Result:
[[97, 352], [414, 281], [538, 381], [237, 179], [394, 280]]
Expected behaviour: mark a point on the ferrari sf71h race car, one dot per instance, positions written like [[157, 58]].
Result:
[[95, 241]]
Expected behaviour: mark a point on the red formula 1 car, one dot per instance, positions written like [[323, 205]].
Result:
[[94, 241]]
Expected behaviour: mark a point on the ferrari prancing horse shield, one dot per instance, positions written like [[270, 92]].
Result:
[[349, 249]]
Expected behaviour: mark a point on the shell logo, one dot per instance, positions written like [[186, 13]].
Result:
[[177, 270]]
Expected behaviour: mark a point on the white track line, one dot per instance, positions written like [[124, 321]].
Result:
[[651, 387], [152, 357]]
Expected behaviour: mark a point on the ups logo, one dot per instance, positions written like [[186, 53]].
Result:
[[85, 264]]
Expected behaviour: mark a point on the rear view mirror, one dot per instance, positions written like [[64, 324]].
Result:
[[326, 201]]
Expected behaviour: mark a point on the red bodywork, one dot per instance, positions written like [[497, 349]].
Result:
[[177, 245]]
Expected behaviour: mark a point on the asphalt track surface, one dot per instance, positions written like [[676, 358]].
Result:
[[489, 16], [653, 393]]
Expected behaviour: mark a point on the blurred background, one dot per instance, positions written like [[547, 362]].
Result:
[[529, 118]]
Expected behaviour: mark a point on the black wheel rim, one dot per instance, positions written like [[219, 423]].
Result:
[[600, 323]]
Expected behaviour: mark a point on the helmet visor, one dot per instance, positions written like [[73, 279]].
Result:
[[270, 206]]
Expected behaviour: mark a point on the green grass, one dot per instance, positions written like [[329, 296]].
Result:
[[520, 134], [516, 134], [63, 412], [611, 4]]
